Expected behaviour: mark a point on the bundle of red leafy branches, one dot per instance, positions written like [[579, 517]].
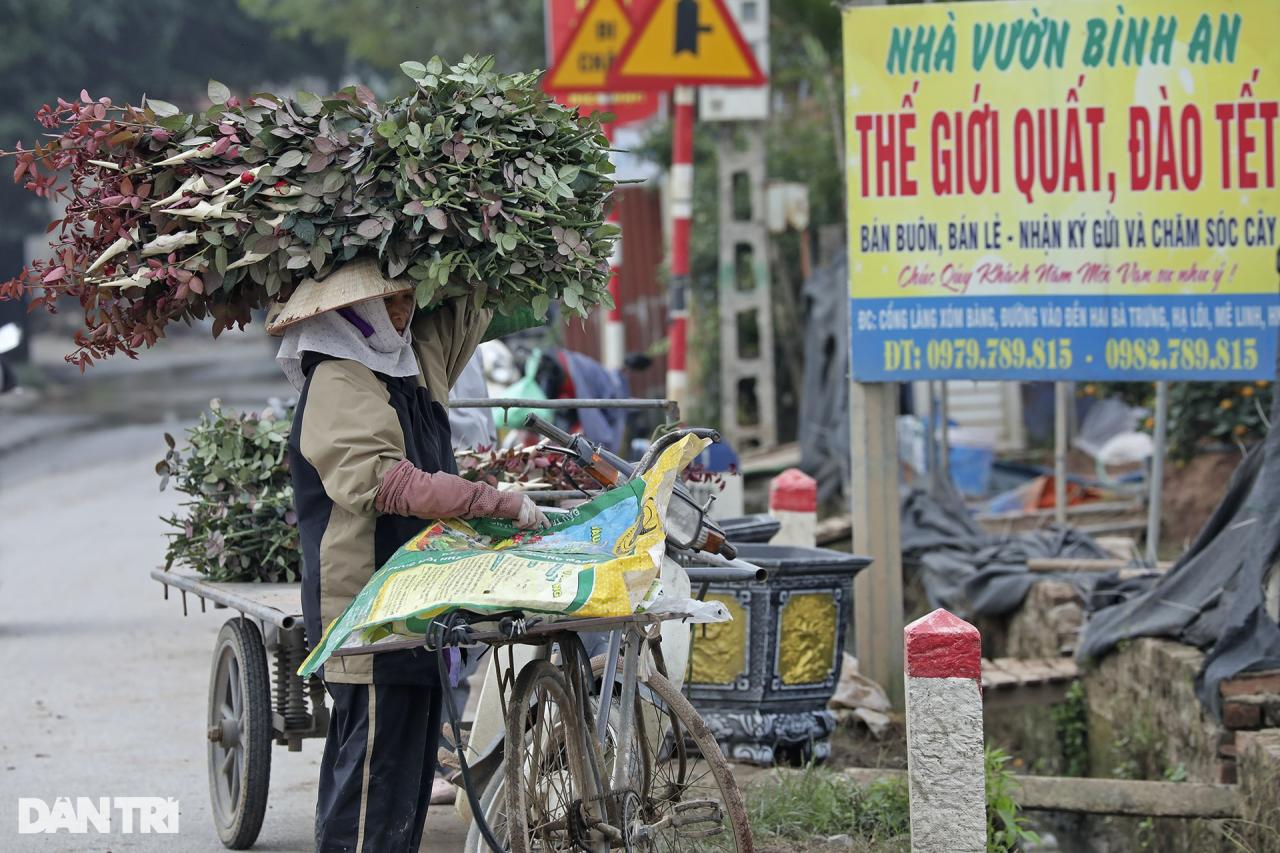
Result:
[[533, 468], [476, 184]]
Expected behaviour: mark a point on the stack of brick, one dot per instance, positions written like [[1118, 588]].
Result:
[[1250, 701], [1146, 721]]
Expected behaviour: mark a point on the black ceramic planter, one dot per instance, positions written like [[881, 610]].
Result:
[[763, 680]]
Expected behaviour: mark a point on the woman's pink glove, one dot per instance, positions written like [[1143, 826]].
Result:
[[408, 491]]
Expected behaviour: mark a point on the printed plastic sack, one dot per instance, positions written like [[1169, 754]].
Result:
[[524, 388], [602, 559]]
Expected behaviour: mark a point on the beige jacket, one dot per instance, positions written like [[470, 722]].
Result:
[[349, 437]]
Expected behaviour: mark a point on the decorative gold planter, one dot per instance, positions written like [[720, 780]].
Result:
[[763, 680]]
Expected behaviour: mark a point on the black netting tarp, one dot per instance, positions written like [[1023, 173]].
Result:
[[970, 572], [1213, 597]]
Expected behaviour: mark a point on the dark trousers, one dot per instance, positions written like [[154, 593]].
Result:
[[379, 762]]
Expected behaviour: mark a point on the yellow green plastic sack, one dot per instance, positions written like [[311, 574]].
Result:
[[602, 559]]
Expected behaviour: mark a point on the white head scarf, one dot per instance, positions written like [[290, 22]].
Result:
[[384, 351]]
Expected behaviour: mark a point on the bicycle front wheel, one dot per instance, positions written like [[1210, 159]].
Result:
[[689, 800]]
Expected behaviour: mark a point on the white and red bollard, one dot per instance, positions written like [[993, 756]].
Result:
[[793, 501], [945, 765]]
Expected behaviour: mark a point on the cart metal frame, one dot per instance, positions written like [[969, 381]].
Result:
[[268, 627], [282, 638]]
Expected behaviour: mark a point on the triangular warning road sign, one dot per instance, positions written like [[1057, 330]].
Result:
[[601, 31], [685, 42]]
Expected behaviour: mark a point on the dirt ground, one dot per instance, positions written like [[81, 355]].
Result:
[[855, 747], [1192, 490]]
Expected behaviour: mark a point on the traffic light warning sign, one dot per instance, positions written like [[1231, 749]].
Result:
[[583, 66], [685, 42]]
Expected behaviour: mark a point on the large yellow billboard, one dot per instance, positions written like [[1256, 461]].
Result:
[[1063, 189]]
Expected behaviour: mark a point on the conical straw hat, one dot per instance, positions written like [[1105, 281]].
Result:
[[355, 281]]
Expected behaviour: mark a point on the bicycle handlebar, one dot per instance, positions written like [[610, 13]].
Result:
[[544, 427], [725, 574]]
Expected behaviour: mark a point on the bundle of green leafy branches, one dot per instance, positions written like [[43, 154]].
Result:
[[476, 184], [238, 523]]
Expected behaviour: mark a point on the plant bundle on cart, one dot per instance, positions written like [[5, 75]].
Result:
[[476, 184], [237, 522]]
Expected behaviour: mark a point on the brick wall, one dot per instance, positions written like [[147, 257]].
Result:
[[1145, 721]]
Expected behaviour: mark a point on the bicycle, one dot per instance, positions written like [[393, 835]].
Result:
[[591, 760], [642, 780], [638, 772]]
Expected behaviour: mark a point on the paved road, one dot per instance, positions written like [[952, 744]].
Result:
[[106, 682]]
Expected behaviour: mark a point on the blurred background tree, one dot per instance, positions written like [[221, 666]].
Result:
[[1202, 415], [380, 34], [123, 49]]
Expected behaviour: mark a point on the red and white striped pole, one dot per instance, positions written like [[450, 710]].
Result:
[[614, 350], [681, 221], [615, 335], [945, 767]]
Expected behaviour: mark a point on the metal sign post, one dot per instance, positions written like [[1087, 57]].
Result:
[[681, 225], [676, 45], [1061, 402]]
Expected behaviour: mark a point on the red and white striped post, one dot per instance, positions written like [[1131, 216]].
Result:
[[945, 765], [614, 350], [681, 222], [615, 335], [793, 501]]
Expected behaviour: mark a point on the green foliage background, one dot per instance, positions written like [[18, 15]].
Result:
[[819, 803], [121, 49]]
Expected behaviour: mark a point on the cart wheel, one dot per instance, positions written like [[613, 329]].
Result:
[[239, 733]]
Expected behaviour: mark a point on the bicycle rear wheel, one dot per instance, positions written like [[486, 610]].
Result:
[[550, 792], [493, 800]]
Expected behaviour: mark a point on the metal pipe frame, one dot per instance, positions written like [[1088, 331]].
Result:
[[669, 406], [1154, 500], [228, 599], [560, 494], [606, 686], [622, 746], [541, 633]]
